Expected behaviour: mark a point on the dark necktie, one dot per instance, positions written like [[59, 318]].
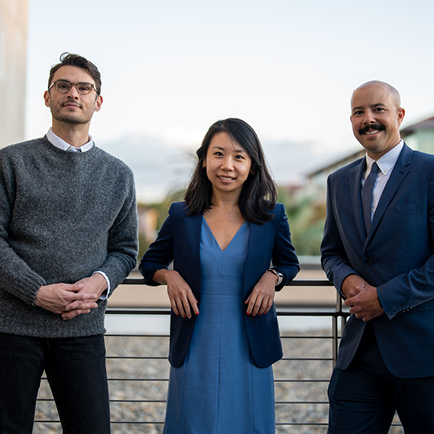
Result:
[[368, 189]]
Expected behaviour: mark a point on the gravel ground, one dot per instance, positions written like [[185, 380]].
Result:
[[297, 400]]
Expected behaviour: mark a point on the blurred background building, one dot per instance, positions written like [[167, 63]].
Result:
[[13, 51]]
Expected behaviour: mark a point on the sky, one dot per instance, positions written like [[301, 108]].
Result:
[[170, 69]]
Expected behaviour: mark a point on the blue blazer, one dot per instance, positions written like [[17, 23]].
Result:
[[179, 240], [396, 256]]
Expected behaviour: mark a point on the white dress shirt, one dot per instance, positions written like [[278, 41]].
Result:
[[385, 166]]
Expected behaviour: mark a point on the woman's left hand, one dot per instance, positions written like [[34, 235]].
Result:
[[261, 298]]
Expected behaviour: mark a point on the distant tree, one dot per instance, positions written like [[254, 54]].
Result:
[[306, 217], [162, 209]]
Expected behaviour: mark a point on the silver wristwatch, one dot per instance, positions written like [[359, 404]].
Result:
[[278, 274]]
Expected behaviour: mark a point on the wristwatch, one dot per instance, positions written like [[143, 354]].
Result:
[[278, 274]]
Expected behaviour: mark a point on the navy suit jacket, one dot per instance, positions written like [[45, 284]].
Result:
[[396, 257], [179, 240]]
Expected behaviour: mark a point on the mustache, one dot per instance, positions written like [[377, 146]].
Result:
[[378, 127], [71, 101]]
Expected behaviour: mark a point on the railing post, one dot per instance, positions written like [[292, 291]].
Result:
[[335, 329]]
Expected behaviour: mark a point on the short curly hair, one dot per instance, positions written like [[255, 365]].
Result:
[[80, 62]]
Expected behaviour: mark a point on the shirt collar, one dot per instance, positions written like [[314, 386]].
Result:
[[61, 144], [387, 162]]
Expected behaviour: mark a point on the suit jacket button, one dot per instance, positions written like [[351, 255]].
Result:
[[368, 263]]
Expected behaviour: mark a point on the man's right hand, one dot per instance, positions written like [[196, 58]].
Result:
[[58, 297]]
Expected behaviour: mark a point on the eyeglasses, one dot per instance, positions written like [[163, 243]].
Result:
[[64, 86]]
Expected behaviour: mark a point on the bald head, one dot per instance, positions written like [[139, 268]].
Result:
[[376, 115], [381, 86]]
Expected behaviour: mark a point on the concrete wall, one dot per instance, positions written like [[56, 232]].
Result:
[[13, 50]]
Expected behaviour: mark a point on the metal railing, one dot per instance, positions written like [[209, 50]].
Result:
[[138, 373]]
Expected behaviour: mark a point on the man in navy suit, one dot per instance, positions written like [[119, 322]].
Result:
[[378, 251]]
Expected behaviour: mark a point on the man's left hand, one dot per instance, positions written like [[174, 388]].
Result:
[[365, 304], [95, 284]]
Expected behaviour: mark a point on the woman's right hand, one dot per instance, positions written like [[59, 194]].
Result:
[[180, 294]]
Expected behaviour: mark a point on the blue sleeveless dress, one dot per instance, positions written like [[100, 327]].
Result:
[[218, 389]]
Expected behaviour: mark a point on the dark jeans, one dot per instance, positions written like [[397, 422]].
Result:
[[364, 397], [76, 372]]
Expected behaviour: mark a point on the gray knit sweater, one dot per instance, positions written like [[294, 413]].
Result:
[[63, 215]]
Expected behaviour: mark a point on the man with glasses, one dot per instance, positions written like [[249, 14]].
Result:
[[68, 237]]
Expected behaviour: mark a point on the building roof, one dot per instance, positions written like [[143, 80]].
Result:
[[335, 164], [427, 124]]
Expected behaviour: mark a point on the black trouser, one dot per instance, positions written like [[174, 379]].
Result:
[[364, 397], [76, 372]]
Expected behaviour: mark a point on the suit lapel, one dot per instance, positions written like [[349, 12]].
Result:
[[399, 173], [355, 179], [191, 245], [193, 231]]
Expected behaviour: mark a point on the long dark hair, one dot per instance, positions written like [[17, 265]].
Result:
[[259, 193]]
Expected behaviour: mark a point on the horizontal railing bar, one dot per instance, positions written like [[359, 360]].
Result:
[[300, 402], [139, 401], [309, 282], [46, 421], [138, 379], [301, 423], [305, 337], [126, 422], [166, 379], [313, 424], [144, 422], [155, 401], [137, 357], [113, 422], [302, 381], [318, 359], [166, 311], [138, 311], [135, 336], [295, 282], [318, 337], [312, 359]]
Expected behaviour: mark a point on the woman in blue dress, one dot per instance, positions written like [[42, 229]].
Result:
[[231, 250]]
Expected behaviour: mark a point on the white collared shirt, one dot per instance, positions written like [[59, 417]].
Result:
[[385, 165], [61, 144]]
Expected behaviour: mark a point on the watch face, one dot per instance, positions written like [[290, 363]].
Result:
[[278, 273]]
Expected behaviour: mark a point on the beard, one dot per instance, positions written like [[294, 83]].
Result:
[[72, 117], [74, 120]]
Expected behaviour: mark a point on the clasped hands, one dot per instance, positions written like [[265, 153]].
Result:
[[183, 301], [71, 300], [362, 297]]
